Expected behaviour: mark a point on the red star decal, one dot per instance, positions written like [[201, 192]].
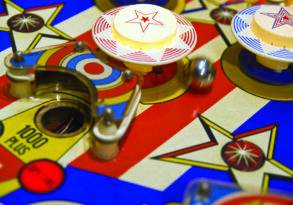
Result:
[[144, 20], [283, 17]]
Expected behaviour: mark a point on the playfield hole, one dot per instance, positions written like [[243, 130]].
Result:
[[63, 119]]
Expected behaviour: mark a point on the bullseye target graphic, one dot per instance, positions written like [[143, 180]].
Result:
[[102, 75], [111, 87], [107, 80]]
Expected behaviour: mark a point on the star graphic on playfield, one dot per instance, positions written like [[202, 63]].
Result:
[[27, 28], [283, 17], [144, 20], [247, 156]]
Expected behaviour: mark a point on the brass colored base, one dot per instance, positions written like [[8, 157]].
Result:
[[231, 68], [20, 89], [288, 2]]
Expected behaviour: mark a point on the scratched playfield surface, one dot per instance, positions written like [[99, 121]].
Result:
[[170, 142]]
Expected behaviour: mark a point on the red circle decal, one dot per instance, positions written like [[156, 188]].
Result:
[[41, 176], [93, 68]]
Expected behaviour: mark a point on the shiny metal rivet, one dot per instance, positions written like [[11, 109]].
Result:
[[108, 117], [18, 56], [202, 72], [79, 46], [127, 74]]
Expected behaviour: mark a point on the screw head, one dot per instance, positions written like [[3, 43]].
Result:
[[127, 74], [18, 56], [79, 46], [108, 116]]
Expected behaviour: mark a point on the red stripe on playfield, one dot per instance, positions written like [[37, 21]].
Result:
[[5, 98], [156, 125]]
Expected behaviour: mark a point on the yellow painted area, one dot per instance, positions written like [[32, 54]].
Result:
[[35, 42], [195, 163], [179, 5], [265, 183], [8, 186], [46, 55], [4, 29], [14, 6], [217, 2], [272, 143], [218, 128], [24, 149], [48, 23], [119, 99], [281, 166], [138, 68]]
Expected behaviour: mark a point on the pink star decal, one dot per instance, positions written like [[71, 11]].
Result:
[[144, 20], [281, 18]]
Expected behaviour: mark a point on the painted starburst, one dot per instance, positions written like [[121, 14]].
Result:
[[28, 27], [25, 22], [243, 155], [223, 15]]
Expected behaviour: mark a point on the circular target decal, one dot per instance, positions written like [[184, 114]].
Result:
[[41, 176], [107, 79], [99, 73]]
